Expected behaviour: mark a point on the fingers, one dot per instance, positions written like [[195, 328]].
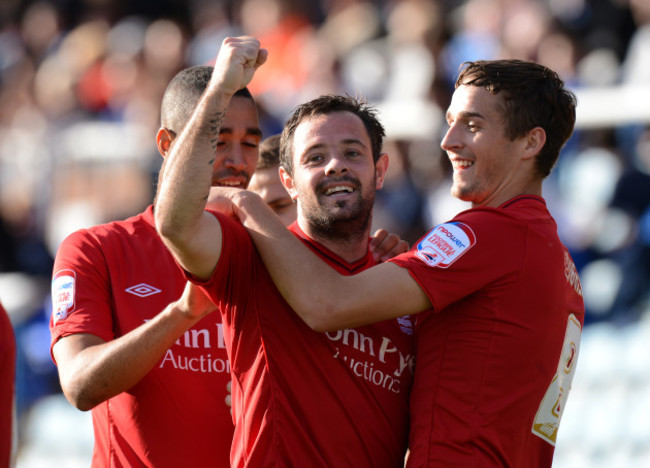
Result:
[[262, 56], [401, 247], [384, 246], [378, 238], [237, 61], [220, 199], [247, 48], [228, 399]]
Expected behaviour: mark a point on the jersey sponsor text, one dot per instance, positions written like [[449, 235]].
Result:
[[203, 363], [571, 273], [385, 351], [197, 339]]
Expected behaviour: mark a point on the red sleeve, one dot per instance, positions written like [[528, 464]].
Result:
[[231, 281], [7, 379], [461, 257], [81, 297]]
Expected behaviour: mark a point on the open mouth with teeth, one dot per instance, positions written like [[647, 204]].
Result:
[[339, 190], [462, 164], [230, 183]]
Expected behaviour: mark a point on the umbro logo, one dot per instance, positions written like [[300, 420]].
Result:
[[142, 290]]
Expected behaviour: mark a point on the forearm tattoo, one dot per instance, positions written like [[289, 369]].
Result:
[[214, 127]]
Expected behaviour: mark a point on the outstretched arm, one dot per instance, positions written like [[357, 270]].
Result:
[[191, 234], [324, 299]]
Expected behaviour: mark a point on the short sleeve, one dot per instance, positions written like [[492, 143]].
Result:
[[461, 257], [81, 298]]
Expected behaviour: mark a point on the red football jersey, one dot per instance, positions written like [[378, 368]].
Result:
[[302, 398], [496, 355], [7, 387], [107, 281]]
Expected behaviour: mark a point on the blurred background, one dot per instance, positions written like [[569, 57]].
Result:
[[80, 88]]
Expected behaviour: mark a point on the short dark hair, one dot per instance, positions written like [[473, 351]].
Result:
[[533, 96], [183, 93], [326, 105], [269, 152]]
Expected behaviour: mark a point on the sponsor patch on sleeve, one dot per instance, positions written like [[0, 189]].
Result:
[[445, 244], [63, 292]]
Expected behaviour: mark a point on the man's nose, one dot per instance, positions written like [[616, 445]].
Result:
[[235, 158], [450, 140], [336, 165]]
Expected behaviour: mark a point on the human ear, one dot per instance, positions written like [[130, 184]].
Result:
[[534, 142], [287, 181], [381, 168], [164, 140]]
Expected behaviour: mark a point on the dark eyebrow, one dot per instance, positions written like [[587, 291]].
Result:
[[467, 115], [354, 141], [254, 131], [349, 141], [314, 147]]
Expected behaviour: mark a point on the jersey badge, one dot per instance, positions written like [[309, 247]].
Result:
[[142, 290], [63, 293], [445, 244]]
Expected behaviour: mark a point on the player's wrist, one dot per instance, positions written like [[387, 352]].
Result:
[[180, 312], [215, 100]]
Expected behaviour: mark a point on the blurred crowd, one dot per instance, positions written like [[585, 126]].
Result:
[[81, 83]]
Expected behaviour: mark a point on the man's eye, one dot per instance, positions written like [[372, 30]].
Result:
[[281, 207], [314, 158]]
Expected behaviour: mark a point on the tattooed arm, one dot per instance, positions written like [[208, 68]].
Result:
[[191, 234]]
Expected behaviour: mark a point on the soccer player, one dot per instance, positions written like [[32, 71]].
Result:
[[152, 367], [500, 301], [300, 398]]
